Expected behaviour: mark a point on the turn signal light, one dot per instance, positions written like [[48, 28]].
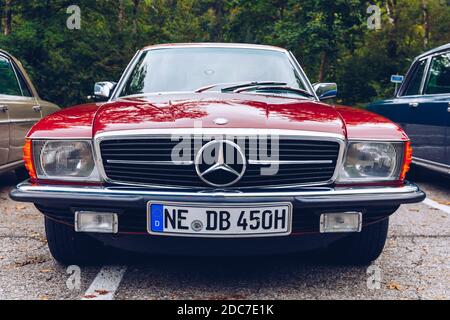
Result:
[[28, 158], [96, 222], [407, 160], [342, 222]]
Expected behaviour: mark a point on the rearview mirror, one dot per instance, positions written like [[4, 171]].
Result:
[[325, 90], [104, 89]]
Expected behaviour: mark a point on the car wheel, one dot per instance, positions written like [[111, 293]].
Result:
[[69, 247], [361, 248]]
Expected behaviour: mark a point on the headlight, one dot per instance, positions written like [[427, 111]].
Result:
[[372, 161], [64, 160]]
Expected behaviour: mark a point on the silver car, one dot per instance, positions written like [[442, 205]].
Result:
[[20, 108]]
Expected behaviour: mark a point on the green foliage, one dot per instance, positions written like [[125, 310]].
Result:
[[329, 37]]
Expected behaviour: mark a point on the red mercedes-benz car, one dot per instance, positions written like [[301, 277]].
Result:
[[216, 149]]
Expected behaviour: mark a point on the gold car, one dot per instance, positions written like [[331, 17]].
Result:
[[20, 108]]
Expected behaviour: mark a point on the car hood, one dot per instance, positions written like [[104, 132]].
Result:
[[202, 109]]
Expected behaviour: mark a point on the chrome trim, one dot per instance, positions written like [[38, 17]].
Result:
[[24, 120], [381, 140], [318, 192], [431, 165], [60, 138], [215, 45], [269, 162], [13, 67], [157, 163], [306, 80], [234, 132], [18, 73], [425, 76], [124, 76], [11, 166], [215, 132]]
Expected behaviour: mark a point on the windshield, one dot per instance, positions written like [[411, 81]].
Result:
[[188, 69]]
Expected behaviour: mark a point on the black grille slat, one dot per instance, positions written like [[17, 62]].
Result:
[[159, 149], [161, 180], [148, 167], [293, 168]]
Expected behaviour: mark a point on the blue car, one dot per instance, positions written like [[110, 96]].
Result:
[[422, 107]]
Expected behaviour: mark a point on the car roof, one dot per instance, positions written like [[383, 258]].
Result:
[[214, 45], [444, 47]]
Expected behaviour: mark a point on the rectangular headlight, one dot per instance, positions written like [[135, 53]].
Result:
[[64, 160], [372, 161]]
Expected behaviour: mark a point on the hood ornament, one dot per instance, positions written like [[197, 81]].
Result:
[[221, 121]]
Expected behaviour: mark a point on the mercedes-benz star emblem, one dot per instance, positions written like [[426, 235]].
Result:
[[228, 167]]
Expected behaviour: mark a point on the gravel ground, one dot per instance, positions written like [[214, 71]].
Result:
[[414, 265]]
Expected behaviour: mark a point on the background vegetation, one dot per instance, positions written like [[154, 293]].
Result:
[[329, 37]]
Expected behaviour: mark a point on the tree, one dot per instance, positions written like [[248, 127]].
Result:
[[7, 17], [329, 37], [426, 23], [136, 4], [121, 15]]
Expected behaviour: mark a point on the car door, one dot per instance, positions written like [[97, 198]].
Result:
[[437, 91], [422, 115], [4, 133], [22, 107]]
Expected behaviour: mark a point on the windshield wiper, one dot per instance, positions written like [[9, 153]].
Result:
[[274, 88], [231, 86], [253, 84]]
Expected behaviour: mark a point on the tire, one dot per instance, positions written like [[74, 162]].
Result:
[[361, 248], [69, 247], [21, 174]]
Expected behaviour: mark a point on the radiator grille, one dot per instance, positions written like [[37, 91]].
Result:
[[148, 161]]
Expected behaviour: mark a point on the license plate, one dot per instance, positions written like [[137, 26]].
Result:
[[211, 220]]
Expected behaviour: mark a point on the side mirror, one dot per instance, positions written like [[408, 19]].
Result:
[[397, 79], [103, 90], [325, 90]]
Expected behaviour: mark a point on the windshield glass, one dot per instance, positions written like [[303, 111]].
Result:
[[188, 69]]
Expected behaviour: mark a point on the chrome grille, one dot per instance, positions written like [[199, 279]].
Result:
[[146, 160]]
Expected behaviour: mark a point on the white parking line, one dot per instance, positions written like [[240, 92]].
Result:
[[105, 283], [437, 205]]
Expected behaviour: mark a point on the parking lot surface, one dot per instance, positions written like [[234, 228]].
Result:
[[414, 265]]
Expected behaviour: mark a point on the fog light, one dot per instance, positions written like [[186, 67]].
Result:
[[341, 222], [96, 222]]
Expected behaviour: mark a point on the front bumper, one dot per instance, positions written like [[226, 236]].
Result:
[[60, 202], [130, 196]]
